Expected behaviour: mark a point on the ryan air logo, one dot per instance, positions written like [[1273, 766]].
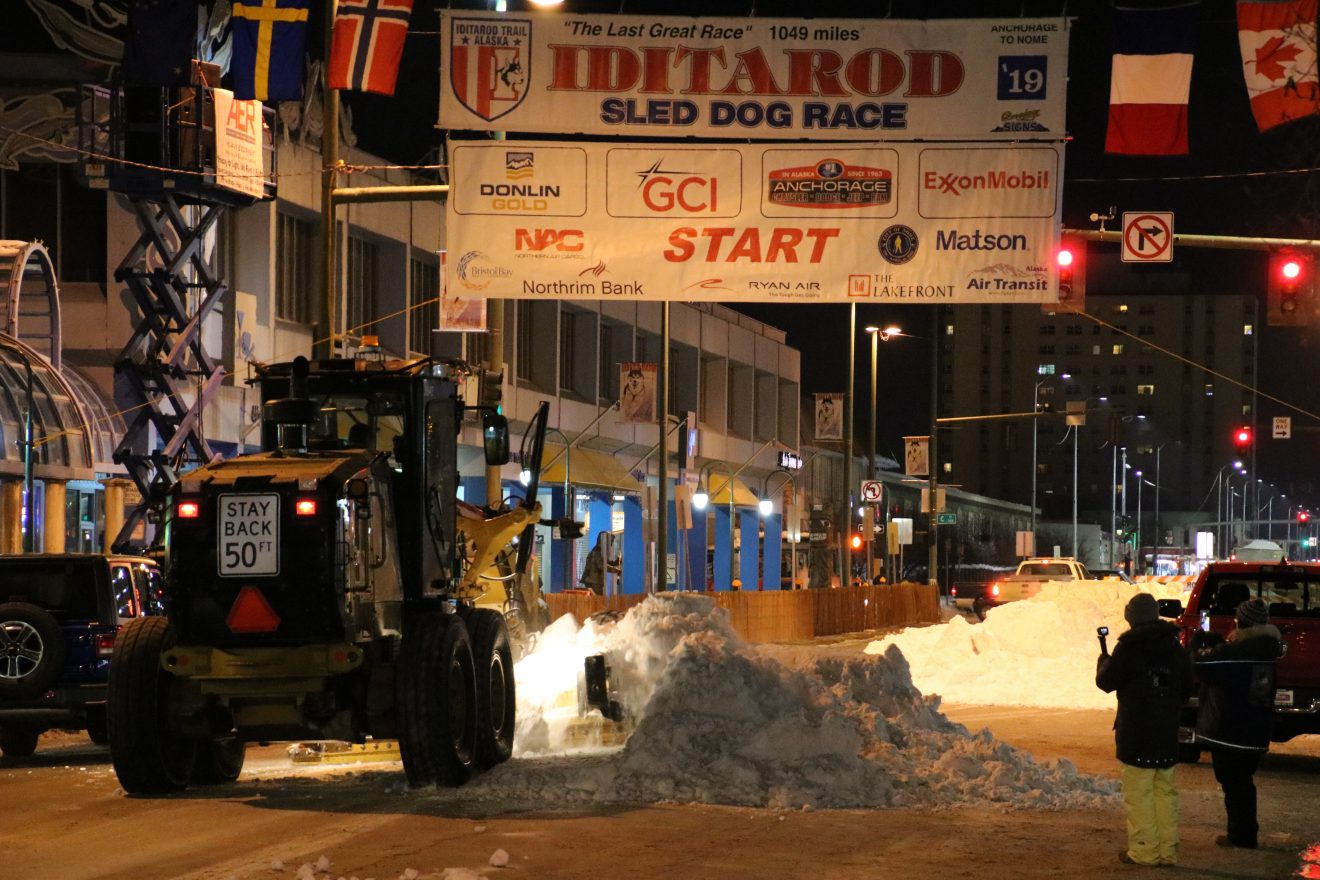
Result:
[[489, 68]]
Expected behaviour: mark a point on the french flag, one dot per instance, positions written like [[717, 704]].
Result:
[[1152, 76]]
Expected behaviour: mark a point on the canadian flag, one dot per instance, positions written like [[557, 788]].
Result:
[[1279, 59]]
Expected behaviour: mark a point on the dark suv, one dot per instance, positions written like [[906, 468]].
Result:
[[1292, 592], [59, 614]]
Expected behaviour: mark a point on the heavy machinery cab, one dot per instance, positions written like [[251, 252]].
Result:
[[345, 517]]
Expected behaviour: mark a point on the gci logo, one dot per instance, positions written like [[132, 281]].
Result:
[[541, 240], [666, 191]]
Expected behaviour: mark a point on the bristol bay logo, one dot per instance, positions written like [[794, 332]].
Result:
[[476, 273], [489, 68]]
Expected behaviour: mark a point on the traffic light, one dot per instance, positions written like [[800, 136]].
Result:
[[855, 541], [1303, 517], [1070, 264], [1291, 282], [1242, 437]]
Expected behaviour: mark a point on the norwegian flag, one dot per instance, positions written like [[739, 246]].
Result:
[[367, 44]]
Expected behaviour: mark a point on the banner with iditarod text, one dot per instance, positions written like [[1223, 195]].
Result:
[[770, 78], [842, 222]]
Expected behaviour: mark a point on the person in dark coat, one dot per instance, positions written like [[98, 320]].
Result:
[[1153, 677], [1236, 711]]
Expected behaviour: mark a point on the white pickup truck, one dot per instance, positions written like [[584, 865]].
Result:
[[1025, 583]]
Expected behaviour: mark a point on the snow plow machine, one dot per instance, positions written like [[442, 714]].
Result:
[[326, 588]]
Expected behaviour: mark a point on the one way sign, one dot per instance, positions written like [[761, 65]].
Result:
[[1147, 237]]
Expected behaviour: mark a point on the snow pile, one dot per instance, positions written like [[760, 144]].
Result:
[[1037, 652], [726, 725]]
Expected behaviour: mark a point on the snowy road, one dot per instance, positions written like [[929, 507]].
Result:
[[66, 818]]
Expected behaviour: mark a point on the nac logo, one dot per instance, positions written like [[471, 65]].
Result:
[[542, 240], [668, 191]]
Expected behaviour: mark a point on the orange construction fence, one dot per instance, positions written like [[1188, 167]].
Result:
[[790, 615]]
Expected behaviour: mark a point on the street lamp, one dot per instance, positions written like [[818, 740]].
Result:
[[878, 335]]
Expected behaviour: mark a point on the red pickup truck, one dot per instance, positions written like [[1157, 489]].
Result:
[[1292, 592]]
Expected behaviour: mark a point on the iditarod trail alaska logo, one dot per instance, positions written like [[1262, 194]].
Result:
[[491, 64]]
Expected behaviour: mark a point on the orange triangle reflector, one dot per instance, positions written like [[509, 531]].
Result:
[[251, 613]]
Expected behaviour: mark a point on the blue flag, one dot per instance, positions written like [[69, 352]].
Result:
[[268, 49]]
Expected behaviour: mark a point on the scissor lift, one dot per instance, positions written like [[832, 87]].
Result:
[[156, 146]]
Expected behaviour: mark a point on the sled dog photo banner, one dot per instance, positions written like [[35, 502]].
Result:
[[777, 78]]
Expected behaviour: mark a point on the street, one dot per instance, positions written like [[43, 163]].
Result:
[[68, 818]]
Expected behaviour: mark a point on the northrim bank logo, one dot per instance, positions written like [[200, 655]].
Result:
[[489, 68]]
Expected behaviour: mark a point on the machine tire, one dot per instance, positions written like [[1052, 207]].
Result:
[[148, 759], [496, 698], [31, 650], [219, 761], [1188, 753], [978, 608], [436, 697], [18, 741], [97, 730]]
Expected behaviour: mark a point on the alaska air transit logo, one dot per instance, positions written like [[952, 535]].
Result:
[[491, 60]]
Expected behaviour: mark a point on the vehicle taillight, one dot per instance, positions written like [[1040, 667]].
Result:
[[994, 590], [953, 591], [105, 644], [188, 509], [305, 507]]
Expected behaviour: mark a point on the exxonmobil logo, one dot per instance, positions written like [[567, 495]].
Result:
[[956, 183], [543, 240]]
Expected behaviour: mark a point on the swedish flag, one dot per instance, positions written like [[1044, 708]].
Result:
[[268, 49]]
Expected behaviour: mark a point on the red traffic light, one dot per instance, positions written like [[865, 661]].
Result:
[[1064, 257], [1290, 269], [1303, 516], [1242, 436]]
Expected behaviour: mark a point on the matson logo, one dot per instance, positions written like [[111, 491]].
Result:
[[541, 240], [977, 240], [956, 184]]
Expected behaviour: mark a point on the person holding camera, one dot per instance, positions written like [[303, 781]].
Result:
[[1236, 711], [1153, 677]]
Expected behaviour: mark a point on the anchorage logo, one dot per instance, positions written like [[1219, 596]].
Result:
[[1024, 120], [519, 165], [897, 244], [488, 71], [476, 273], [830, 183], [955, 184]]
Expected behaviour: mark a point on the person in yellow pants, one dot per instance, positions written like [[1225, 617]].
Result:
[[1152, 675]]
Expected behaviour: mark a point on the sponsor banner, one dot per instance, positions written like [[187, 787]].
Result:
[[668, 76], [459, 314], [754, 222], [636, 393], [238, 137], [916, 456]]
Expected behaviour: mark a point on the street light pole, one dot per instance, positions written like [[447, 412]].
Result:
[[845, 524], [874, 333], [1077, 430], [1137, 534], [1035, 420]]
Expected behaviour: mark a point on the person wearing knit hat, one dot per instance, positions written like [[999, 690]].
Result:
[[1235, 713], [1153, 678]]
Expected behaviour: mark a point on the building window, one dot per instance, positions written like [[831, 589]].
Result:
[[1073, 330], [948, 329], [295, 242], [1118, 348], [1146, 370], [1045, 329], [361, 285], [424, 303], [1047, 349], [1248, 330], [1095, 349], [1209, 389], [1146, 390], [1118, 389], [1146, 330], [1146, 310], [1045, 370], [1072, 348], [1120, 308]]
